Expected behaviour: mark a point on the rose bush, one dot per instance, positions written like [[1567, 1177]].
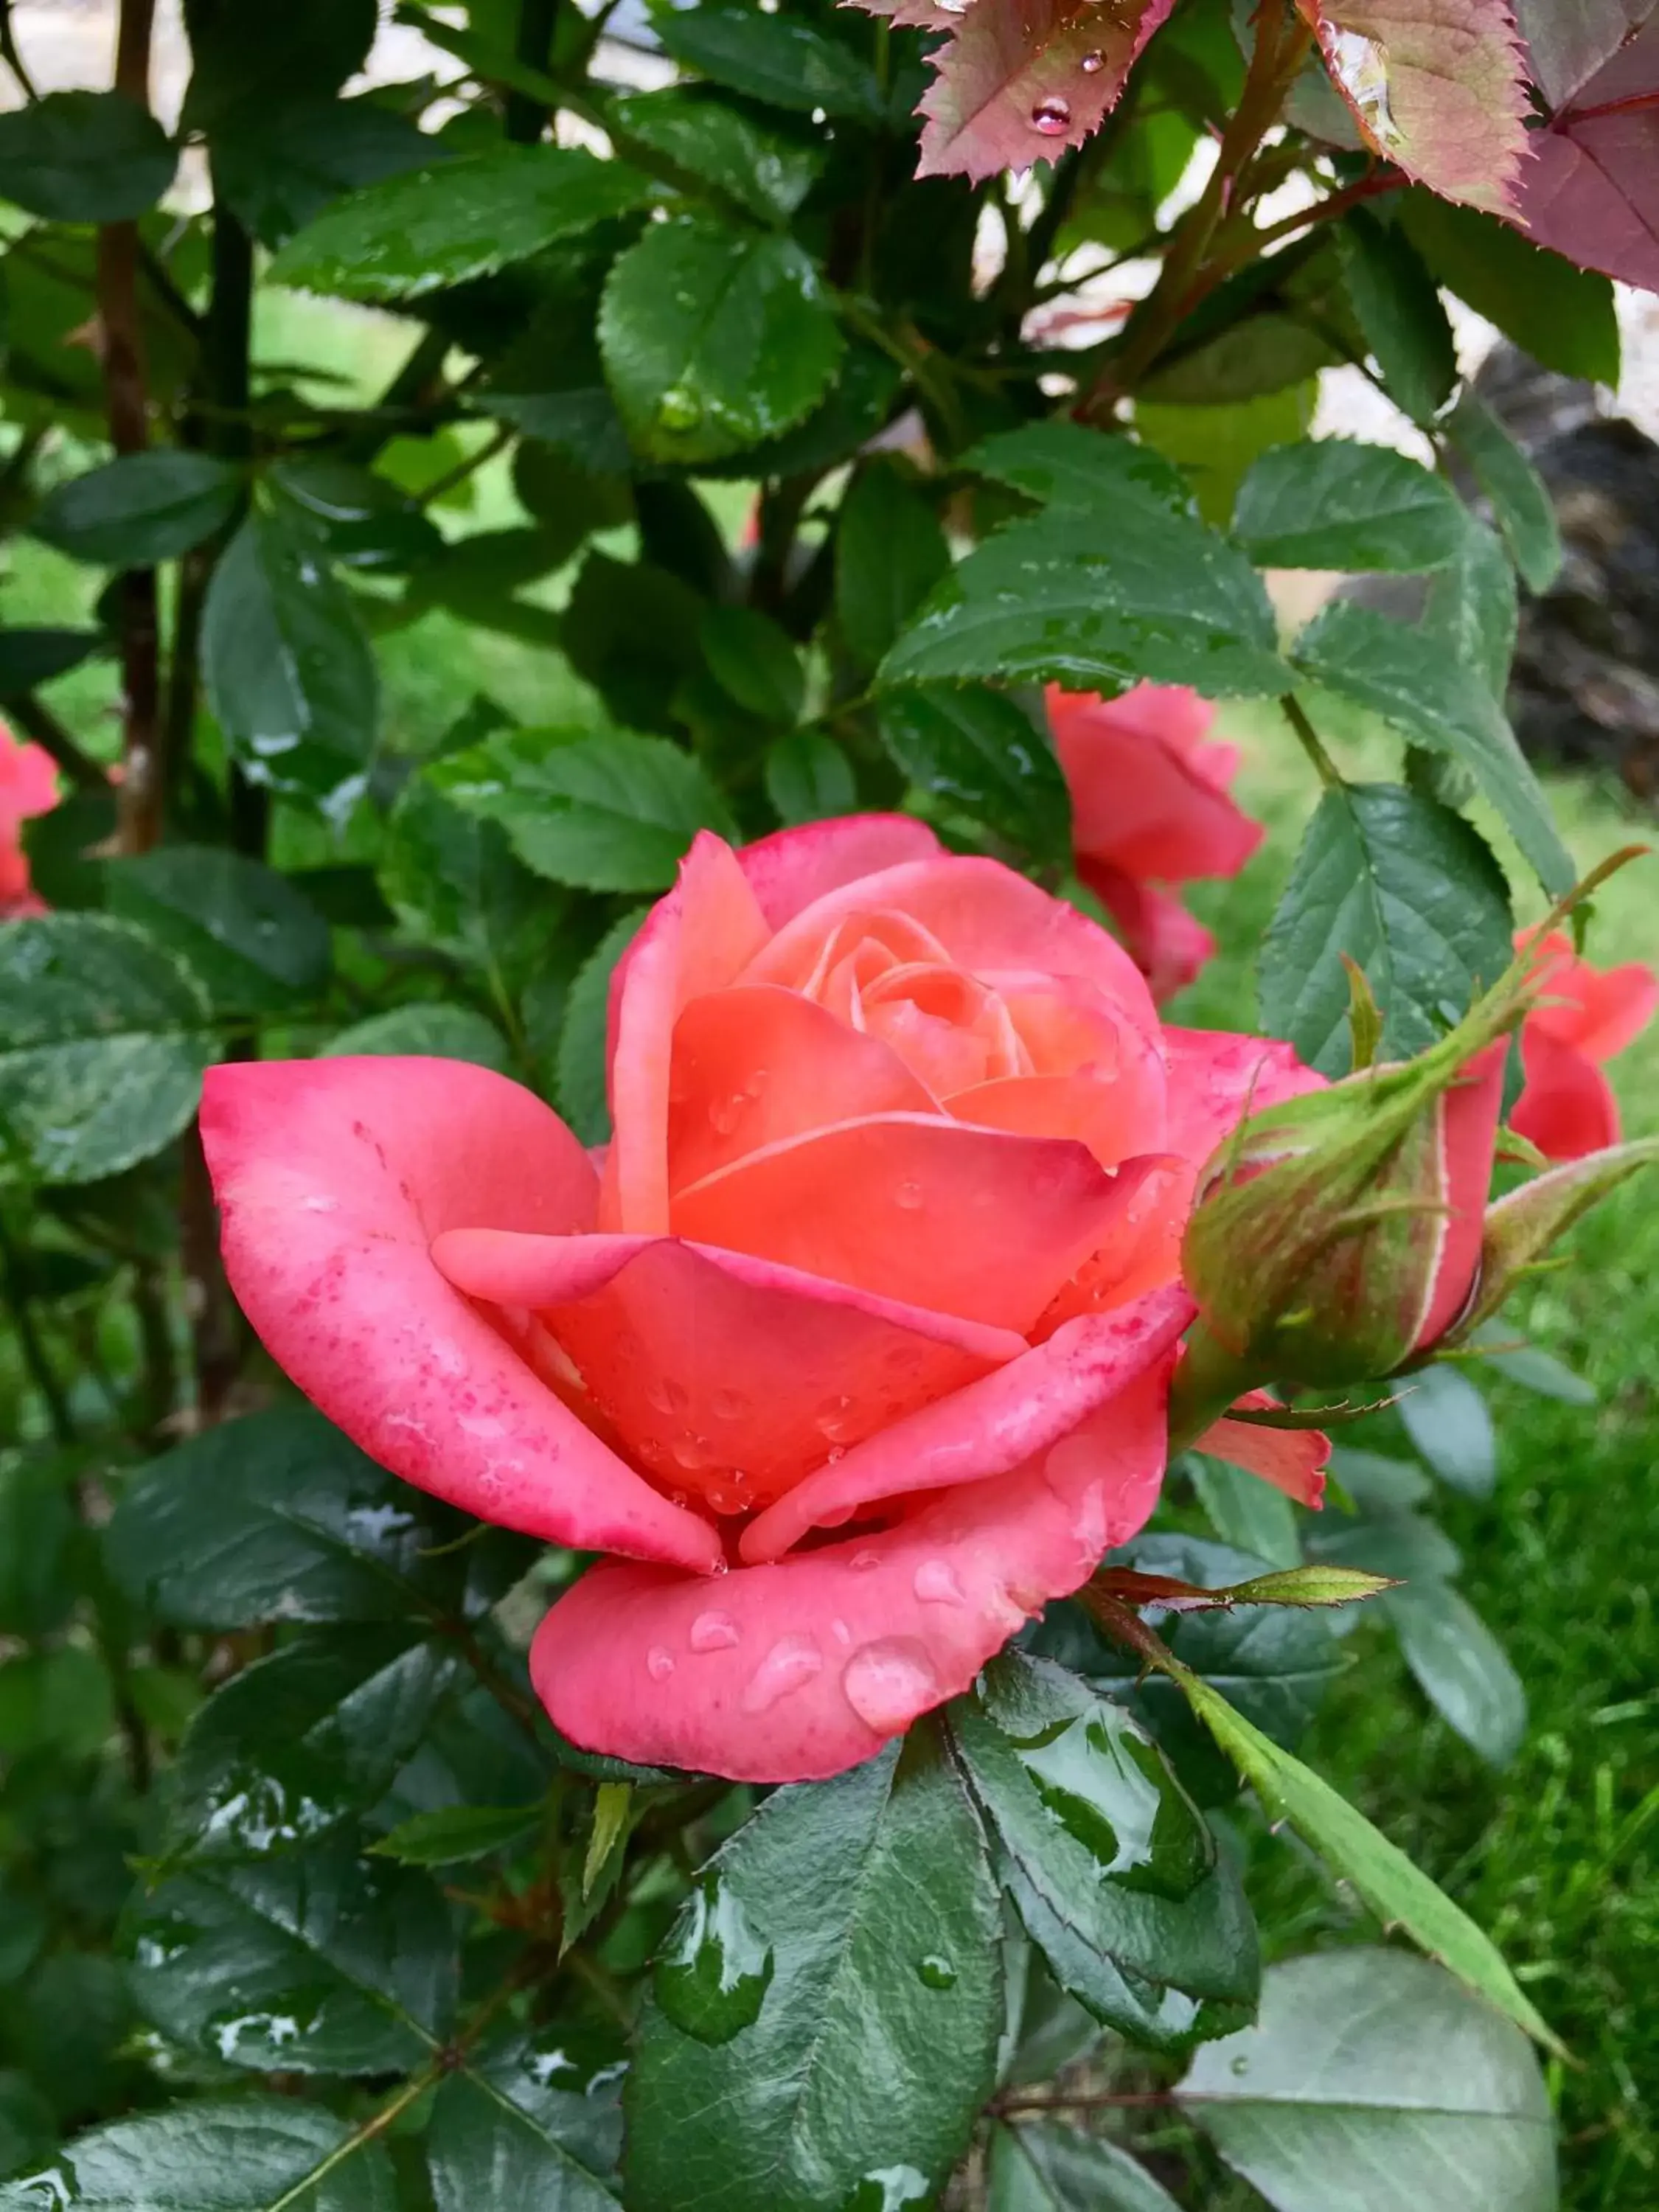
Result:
[[1586, 1017], [1150, 808], [28, 786], [869, 1311]]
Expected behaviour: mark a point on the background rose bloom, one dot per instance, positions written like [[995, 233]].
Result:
[[869, 1313], [1567, 1108], [28, 786], [1150, 807]]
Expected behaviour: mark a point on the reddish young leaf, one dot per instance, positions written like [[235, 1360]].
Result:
[[1436, 87], [1592, 192], [1023, 79], [1568, 40], [915, 15]]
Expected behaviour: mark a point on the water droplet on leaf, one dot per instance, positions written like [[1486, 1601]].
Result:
[[1051, 118], [713, 1975], [935, 1972], [1107, 1787], [886, 2189], [1092, 63], [678, 410]]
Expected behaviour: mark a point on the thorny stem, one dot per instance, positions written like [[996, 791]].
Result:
[[1311, 743], [139, 805]]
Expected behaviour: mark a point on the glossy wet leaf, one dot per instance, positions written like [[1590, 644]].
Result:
[[1449, 1420], [715, 1967], [454, 1835], [84, 157], [288, 670], [1519, 499], [1373, 2083], [891, 551], [1041, 2166], [455, 220], [357, 518], [977, 750], [714, 338], [754, 661], [1561, 315], [722, 144], [1334, 503], [1407, 891], [1473, 607], [452, 880], [277, 1517], [1399, 308], [321, 1963], [280, 168], [143, 508], [1062, 466], [809, 778], [103, 1040], [526, 2123], [1461, 1667], [1380, 664], [256, 943], [226, 2155], [1108, 1861], [873, 2043], [775, 60], [441, 1032]]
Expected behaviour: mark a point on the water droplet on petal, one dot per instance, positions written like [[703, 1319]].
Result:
[[909, 1196], [1051, 118], [862, 1562], [725, 1114], [831, 1420], [889, 1682], [936, 1583], [1092, 63], [658, 1663], [690, 1452], [788, 1666], [665, 1396], [714, 1631], [935, 1972], [713, 1975], [730, 1405]]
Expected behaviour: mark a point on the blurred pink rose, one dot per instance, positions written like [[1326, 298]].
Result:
[[1149, 808], [855, 1350], [1588, 1014], [28, 786]]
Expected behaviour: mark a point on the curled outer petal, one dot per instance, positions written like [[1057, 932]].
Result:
[[794, 1671], [333, 1177]]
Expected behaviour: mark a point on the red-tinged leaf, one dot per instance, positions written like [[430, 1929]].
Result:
[[1568, 40], [1436, 87], [1592, 191], [915, 15], [1023, 79]]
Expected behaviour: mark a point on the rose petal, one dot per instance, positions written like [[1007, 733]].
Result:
[[793, 868], [1143, 799], [1216, 1077], [1170, 946], [988, 1428], [332, 1178], [1470, 1112], [753, 1067], [933, 1212], [1141, 1253], [791, 1672], [695, 940], [1112, 1118], [727, 1376], [1597, 1010], [989, 921], [1566, 1108], [1293, 1459]]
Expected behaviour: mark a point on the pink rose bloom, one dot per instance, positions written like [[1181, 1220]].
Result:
[[28, 786], [1587, 1014], [855, 1351], [1150, 807]]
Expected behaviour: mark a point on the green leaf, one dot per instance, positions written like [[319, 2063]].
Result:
[[321, 1963], [37, 1531], [1373, 1479], [301, 1740], [28, 2129], [1381, 666], [1520, 500], [1396, 1890], [754, 661], [526, 2125], [809, 778], [282, 166], [1332, 503], [631, 630], [357, 518], [1215, 447], [452, 880], [1107, 1859], [1373, 2083], [56, 1701], [257, 943], [873, 2046], [719, 145], [242, 2155], [138, 510], [428, 1028], [580, 1074], [613, 812], [1246, 1512], [1461, 1667], [1400, 311], [277, 1517], [978, 749], [30, 657], [103, 1040], [1408, 1547], [84, 157], [1472, 607], [773, 59], [289, 675], [1449, 1421], [455, 1835], [568, 499], [890, 551], [1044, 2167], [303, 49], [1531, 1367], [714, 338], [456, 220], [1562, 316], [1079, 471], [1098, 599], [1407, 891]]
